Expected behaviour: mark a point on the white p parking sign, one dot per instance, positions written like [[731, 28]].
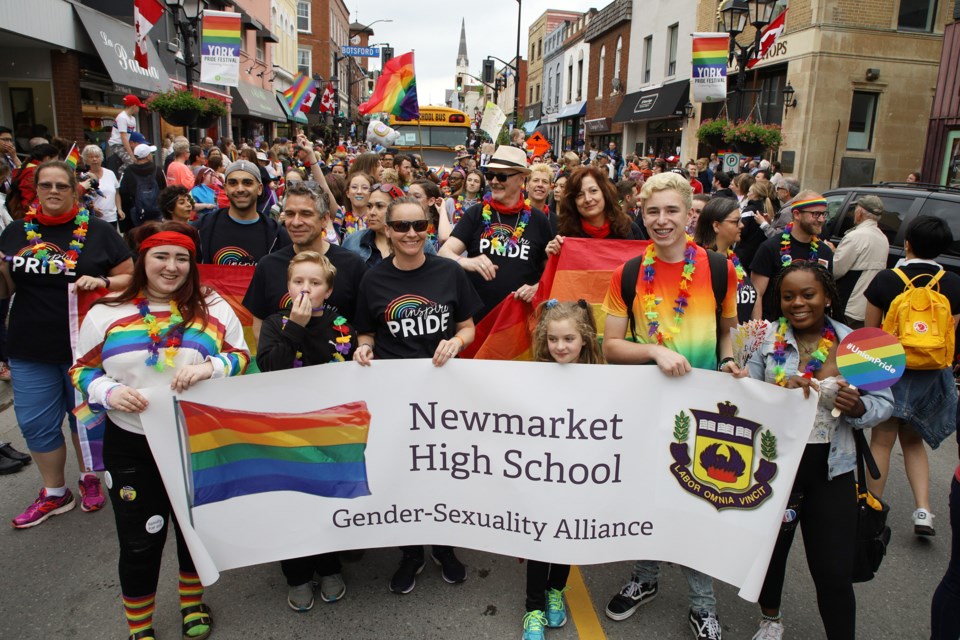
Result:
[[731, 162]]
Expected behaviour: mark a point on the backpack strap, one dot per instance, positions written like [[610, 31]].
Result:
[[903, 277], [935, 280], [628, 289]]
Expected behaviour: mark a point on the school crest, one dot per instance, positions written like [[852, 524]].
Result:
[[725, 469]]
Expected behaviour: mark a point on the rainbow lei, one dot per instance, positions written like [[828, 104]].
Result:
[[650, 299], [38, 248], [174, 334], [737, 267], [342, 342], [351, 223], [458, 209], [785, 257], [817, 358], [514, 238]]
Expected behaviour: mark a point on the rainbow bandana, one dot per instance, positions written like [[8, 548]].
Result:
[[806, 204]]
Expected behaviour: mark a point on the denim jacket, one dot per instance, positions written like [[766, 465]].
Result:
[[363, 243], [879, 404]]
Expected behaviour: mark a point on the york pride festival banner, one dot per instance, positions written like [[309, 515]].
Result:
[[579, 464], [220, 48], [708, 79]]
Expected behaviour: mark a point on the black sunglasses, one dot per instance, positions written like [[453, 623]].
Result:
[[501, 177], [403, 226]]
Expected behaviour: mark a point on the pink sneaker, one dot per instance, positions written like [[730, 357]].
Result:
[[43, 508], [91, 496]]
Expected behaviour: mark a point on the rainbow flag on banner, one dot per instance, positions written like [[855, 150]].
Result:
[[220, 48], [73, 158], [298, 91], [396, 90], [708, 81], [237, 453], [583, 270]]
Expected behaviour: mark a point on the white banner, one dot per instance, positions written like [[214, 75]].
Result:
[[220, 48], [579, 464], [708, 77], [492, 121]]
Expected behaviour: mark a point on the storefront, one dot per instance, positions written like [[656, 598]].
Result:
[[653, 120], [571, 126], [255, 113], [600, 134]]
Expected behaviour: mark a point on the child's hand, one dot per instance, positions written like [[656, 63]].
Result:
[[190, 374], [363, 355], [302, 309]]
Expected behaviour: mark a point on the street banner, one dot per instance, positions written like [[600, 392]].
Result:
[[492, 120], [708, 81], [693, 470], [220, 48]]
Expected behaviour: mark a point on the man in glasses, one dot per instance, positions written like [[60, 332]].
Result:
[[800, 240], [238, 235], [504, 239]]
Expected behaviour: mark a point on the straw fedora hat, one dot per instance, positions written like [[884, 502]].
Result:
[[507, 157]]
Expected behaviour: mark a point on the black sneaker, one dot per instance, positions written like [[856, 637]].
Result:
[[451, 568], [9, 465], [7, 451], [634, 593], [405, 578], [705, 624]]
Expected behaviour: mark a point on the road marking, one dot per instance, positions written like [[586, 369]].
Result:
[[581, 608]]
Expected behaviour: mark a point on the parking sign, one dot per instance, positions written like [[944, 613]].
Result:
[[731, 162]]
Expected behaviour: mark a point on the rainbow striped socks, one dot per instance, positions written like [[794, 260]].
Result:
[[191, 595], [139, 612]]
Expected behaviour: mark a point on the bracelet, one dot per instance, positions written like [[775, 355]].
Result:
[[463, 345], [106, 281], [724, 362]]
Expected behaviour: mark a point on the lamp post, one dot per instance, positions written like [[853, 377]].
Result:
[[516, 79], [734, 16], [186, 19]]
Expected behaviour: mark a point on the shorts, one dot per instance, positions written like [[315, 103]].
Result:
[[42, 396]]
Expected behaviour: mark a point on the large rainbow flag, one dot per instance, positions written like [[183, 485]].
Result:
[[582, 270], [237, 453], [396, 90], [298, 91]]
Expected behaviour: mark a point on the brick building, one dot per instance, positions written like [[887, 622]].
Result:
[[941, 162], [609, 37], [323, 28]]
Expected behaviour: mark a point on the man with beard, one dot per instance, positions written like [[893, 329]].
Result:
[[239, 235], [505, 240], [404, 166], [799, 241], [307, 215]]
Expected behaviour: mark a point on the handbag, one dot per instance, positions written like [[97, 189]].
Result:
[[873, 534]]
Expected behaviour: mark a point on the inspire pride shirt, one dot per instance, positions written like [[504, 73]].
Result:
[[697, 339]]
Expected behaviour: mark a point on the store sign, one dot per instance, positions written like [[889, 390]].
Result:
[[646, 103], [361, 52], [599, 125]]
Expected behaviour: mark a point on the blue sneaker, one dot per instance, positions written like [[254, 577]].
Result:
[[556, 608], [533, 624]]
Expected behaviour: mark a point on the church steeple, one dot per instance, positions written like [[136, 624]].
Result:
[[462, 62]]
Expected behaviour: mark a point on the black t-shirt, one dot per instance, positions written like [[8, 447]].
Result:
[[522, 264], [39, 327], [767, 262], [887, 285], [746, 299], [410, 312], [268, 294], [280, 342], [237, 243]]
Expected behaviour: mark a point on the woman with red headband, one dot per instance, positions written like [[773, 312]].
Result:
[[163, 329]]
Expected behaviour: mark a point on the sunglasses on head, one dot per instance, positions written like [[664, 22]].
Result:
[[391, 190], [403, 226]]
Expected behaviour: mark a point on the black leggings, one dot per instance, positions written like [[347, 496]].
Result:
[[542, 576], [140, 505], [827, 513]]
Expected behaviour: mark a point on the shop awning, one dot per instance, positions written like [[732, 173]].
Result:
[[530, 126], [574, 110], [114, 41], [256, 102], [299, 117], [665, 101]]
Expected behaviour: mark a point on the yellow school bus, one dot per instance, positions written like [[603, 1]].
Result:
[[439, 129]]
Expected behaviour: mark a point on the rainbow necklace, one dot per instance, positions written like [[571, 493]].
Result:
[[817, 358], [352, 223], [458, 209], [650, 299], [514, 239], [38, 248], [785, 257], [174, 334], [737, 267], [341, 345]]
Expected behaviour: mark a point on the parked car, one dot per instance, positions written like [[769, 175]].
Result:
[[902, 202]]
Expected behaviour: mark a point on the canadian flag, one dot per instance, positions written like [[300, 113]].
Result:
[[768, 38], [308, 101], [326, 102], [146, 13]]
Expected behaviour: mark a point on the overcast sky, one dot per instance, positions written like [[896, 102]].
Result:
[[432, 29]]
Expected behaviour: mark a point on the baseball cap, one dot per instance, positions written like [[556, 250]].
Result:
[[141, 151], [131, 100], [137, 138], [243, 165], [871, 204], [672, 159]]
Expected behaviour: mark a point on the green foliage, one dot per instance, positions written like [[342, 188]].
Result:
[[213, 107], [168, 101], [768, 445], [681, 427], [768, 135], [709, 128]]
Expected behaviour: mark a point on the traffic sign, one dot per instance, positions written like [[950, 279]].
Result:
[[361, 52], [731, 162]]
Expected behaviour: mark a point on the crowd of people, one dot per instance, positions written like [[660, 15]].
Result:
[[335, 237]]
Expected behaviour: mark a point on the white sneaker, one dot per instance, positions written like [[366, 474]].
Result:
[[769, 630], [923, 523]]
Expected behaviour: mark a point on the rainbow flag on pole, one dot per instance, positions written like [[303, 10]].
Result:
[[73, 158], [709, 75], [396, 90], [220, 48], [298, 91], [237, 453]]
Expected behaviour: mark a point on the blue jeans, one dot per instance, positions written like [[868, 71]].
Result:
[[701, 585], [945, 608], [42, 396]]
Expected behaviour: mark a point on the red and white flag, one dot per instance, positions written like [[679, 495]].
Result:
[[146, 13], [768, 38], [326, 102], [309, 99]]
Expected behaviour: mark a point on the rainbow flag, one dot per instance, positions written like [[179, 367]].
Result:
[[709, 74], [221, 29], [298, 91], [73, 158], [396, 91], [238, 453], [583, 270]]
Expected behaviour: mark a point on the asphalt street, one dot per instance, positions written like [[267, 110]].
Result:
[[59, 580]]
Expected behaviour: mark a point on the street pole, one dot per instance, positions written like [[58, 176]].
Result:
[[516, 80]]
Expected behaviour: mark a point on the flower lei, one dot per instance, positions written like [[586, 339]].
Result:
[[458, 209], [785, 257], [650, 299], [38, 248], [817, 358], [514, 238], [174, 334], [736, 266], [341, 344], [352, 223]]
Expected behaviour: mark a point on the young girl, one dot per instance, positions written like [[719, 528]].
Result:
[[305, 335], [566, 332], [800, 352]]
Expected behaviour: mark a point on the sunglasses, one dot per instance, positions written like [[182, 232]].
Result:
[[53, 186], [403, 226], [499, 176], [391, 190]]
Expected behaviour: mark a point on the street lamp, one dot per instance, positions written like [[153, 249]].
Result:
[[734, 17], [789, 97], [186, 19]]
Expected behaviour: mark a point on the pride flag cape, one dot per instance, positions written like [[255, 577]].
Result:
[[73, 158], [396, 90], [298, 91], [237, 453], [583, 270]]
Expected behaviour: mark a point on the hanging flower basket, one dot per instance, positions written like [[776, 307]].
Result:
[[751, 138], [179, 108], [711, 132]]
